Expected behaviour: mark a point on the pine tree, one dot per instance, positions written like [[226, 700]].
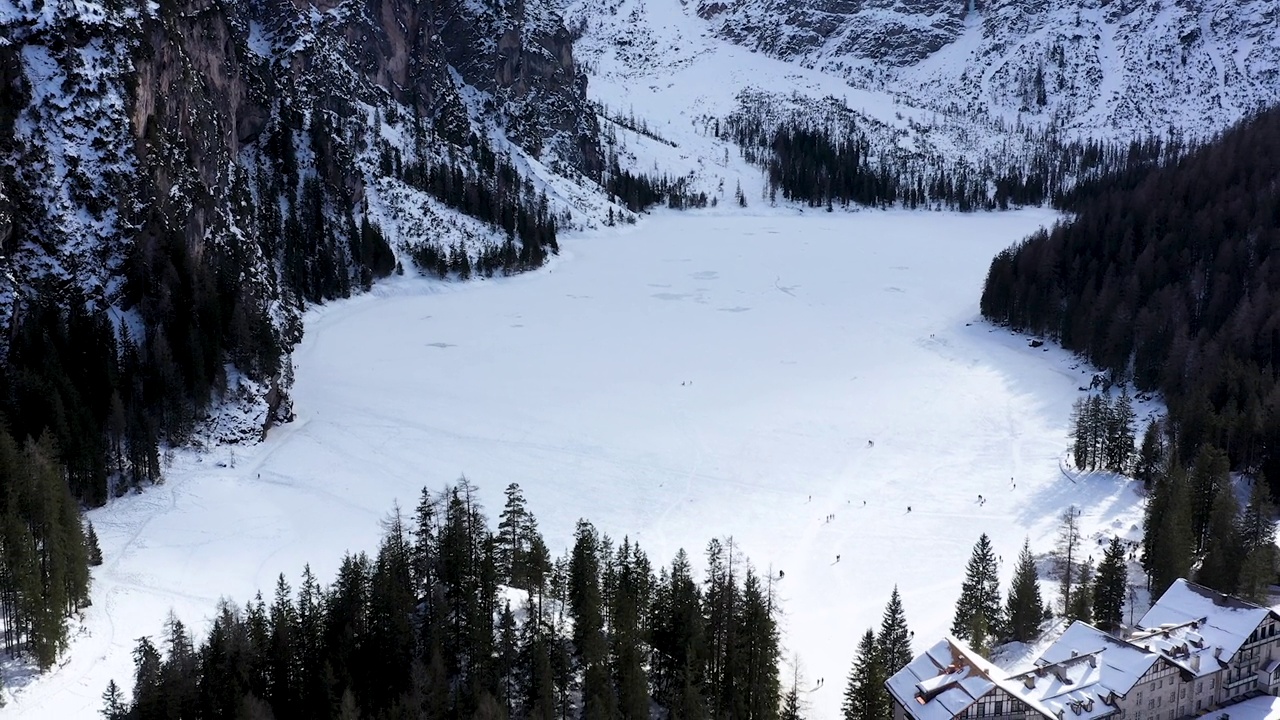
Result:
[[1081, 446], [511, 537], [1081, 607], [1210, 475], [1111, 588], [113, 704], [865, 697], [1223, 556], [1167, 536], [1025, 608], [1257, 524], [91, 543], [893, 643], [978, 616], [1120, 433], [1150, 456]]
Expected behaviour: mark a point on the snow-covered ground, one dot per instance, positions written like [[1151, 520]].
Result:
[[697, 375]]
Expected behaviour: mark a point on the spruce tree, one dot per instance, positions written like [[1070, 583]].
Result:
[[91, 546], [113, 704], [978, 617], [1024, 608], [1081, 445], [1210, 475], [1257, 524], [1081, 606], [1167, 534], [865, 696], [512, 536], [893, 643], [1111, 588], [1223, 556], [1120, 433], [1151, 456]]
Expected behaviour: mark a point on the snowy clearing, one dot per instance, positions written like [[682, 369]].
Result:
[[697, 375]]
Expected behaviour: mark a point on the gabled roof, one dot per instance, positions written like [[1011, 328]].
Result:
[[947, 678], [1081, 675], [943, 681], [1196, 628]]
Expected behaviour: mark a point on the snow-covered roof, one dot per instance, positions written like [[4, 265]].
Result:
[[943, 681], [1196, 628], [946, 679], [1081, 674]]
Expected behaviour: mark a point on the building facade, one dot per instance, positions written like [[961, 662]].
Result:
[[1195, 650]]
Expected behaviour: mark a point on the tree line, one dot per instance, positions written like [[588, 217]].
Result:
[[1165, 278], [1102, 433], [45, 551], [423, 629], [1194, 526], [836, 163]]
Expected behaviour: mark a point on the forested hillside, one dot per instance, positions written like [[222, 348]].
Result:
[[180, 180], [1168, 278]]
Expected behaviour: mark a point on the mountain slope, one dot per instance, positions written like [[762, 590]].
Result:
[[1118, 68], [191, 174]]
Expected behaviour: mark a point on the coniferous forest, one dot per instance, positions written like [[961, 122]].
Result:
[[455, 618], [1166, 279], [836, 164]]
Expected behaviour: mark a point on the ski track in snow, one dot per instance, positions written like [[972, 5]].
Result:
[[569, 381]]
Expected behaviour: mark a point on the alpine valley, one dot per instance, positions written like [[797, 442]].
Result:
[[217, 215]]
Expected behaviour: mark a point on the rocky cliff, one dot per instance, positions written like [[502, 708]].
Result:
[[195, 172]]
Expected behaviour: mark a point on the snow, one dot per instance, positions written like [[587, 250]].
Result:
[[953, 675], [1259, 708], [1187, 613], [1121, 664], [693, 376]]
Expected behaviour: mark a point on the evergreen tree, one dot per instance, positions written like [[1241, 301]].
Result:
[[758, 689], [91, 543], [1257, 540], [1209, 477], [978, 616], [1120, 433], [893, 643], [1081, 607], [1167, 536], [1111, 588], [113, 704], [1024, 609], [1081, 445], [1220, 567], [865, 697], [1151, 456], [511, 550]]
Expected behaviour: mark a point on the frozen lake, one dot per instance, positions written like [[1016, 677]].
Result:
[[694, 376]]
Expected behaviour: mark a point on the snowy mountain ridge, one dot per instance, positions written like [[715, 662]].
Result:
[[1114, 67]]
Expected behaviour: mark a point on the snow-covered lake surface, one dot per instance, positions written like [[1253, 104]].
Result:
[[698, 375]]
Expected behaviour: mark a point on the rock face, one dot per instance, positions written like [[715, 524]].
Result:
[[1100, 66], [248, 135]]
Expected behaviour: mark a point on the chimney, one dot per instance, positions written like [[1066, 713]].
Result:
[[1029, 681]]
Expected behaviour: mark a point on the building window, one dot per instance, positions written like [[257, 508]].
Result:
[[1199, 687], [1182, 692]]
